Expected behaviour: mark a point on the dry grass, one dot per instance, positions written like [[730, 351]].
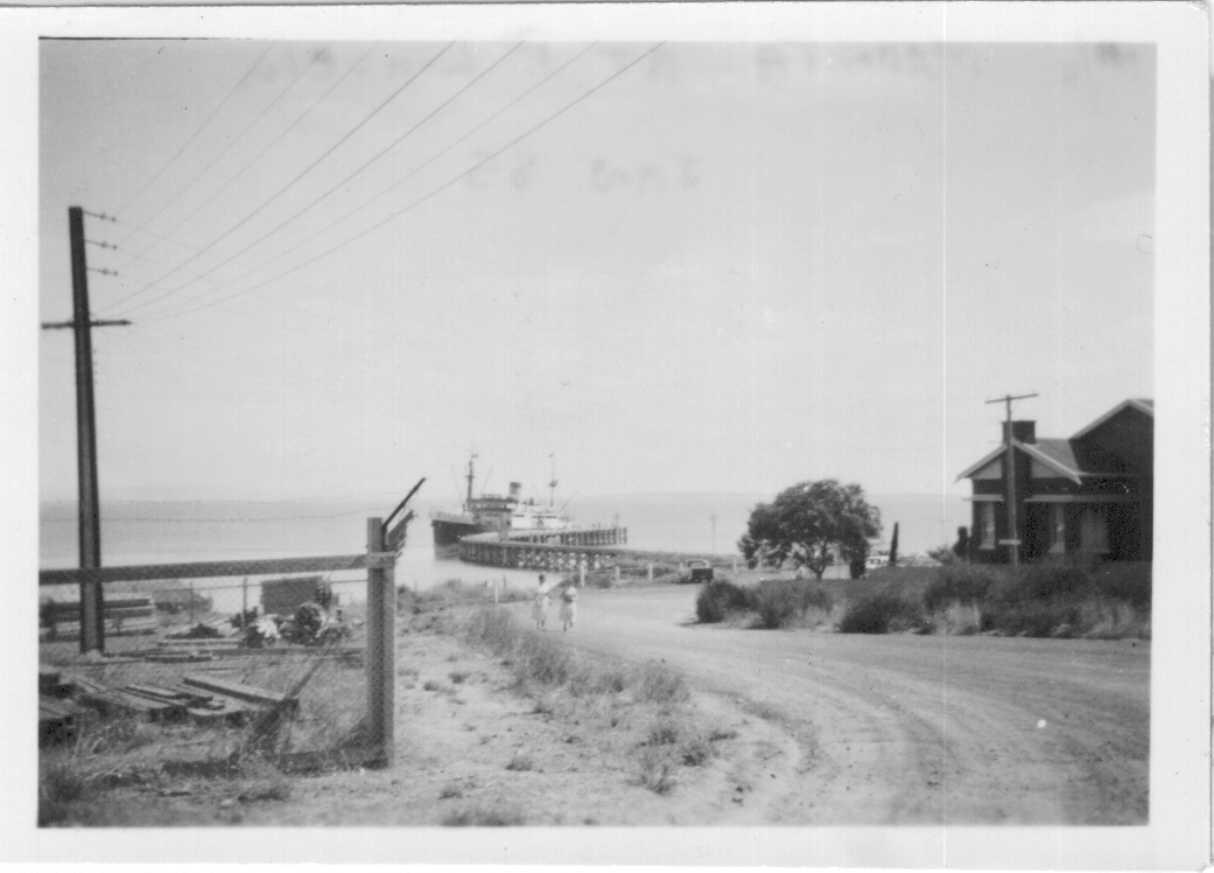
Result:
[[647, 706], [108, 752], [485, 817]]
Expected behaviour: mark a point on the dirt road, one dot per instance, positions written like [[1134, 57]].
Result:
[[912, 729]]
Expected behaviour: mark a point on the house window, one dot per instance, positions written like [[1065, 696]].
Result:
[[986, 525], [1057, 529], [1093, 531]]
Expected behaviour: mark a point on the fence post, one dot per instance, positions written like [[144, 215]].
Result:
[[381, 648]]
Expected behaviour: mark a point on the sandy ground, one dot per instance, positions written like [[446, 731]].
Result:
[[804, 728], [915, 729], [472, 748]]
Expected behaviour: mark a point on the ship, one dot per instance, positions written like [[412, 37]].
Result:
[[502, 513]]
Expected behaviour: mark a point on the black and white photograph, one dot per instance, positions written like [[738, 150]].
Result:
[[572, 419]]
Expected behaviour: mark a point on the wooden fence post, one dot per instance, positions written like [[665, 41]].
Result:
[[381, 647]]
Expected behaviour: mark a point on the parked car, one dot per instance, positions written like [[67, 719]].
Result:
[[699, 571]]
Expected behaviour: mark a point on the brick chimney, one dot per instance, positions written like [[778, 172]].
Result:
[[1022, 431]]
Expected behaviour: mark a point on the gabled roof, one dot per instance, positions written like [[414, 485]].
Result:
[[1145, 405], [1061, 455], [979, 464], [1053, 453], [1057, 454]]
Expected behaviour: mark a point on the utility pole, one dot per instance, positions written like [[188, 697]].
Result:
[[1013, 538], [92, 616]]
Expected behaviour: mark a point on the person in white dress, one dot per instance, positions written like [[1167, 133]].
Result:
[[539, 607], [568, 606]]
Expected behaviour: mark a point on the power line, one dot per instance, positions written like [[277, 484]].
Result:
[[417, 169], [377, 156], [298, 119], [148, 184], [431, 194], [350, 133], [232, 141]]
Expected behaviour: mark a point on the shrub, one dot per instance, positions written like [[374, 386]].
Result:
[[719, 598], [1033, 618], [961, 583], [1039, 581], [780, 601], [1129, 581], [881, 612]]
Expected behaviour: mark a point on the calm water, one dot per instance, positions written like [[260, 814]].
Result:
[[138, 532]]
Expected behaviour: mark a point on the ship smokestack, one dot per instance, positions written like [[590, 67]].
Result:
[[515, 490]]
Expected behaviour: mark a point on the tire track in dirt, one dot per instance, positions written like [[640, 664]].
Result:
[[923, 730]]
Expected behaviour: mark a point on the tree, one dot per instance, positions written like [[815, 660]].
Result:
[[810, 523], [893, 547], [962, 547]]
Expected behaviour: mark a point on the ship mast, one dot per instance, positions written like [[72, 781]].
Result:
[[471, 475], [552, 481]]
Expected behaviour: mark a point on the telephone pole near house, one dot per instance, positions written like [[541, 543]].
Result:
[[92, 616], [1009, 469]]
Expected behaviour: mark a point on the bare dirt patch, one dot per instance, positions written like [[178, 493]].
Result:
[[475, 747]]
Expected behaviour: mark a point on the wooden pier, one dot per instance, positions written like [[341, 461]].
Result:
[[567, 549]]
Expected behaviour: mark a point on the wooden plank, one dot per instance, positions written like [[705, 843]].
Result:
[[199, 643], [206, 569], [172, 657], [48, 680], [250, 693], [229, 711], [164, 709]]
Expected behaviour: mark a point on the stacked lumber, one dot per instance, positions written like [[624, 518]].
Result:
[[50, 683], [121, 616], [248, 693], [59, 720], [200, 699]]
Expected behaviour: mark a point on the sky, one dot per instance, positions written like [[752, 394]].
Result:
[[687, 267]]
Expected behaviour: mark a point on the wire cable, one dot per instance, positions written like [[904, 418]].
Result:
[[327, 192], [417, 169], [426, 197], [232, 141], [198, 131], [273, 142], [345, 138]]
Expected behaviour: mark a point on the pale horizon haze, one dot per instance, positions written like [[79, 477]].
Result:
[[728, 269]]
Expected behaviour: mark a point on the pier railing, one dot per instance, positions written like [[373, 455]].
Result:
[[566, 550]]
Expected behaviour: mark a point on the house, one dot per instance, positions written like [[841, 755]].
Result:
[[1090, 494]]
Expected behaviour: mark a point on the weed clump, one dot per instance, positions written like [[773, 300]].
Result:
[[520, 763], [780, 602], [484, 817], [719, 598], [882, 612], [657, 683]]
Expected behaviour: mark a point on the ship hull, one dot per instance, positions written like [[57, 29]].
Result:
[[447, 532]]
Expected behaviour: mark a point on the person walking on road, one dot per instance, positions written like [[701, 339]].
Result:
[[568, 606], [539, 608]]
